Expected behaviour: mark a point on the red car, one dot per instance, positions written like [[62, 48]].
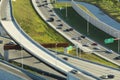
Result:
[[94, 44]]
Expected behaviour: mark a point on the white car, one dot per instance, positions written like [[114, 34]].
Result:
[[109, 51]]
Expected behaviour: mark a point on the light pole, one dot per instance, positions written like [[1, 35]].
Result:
[[118, 37], [118, 43], [87, 25], [77, 50], [66, 10]]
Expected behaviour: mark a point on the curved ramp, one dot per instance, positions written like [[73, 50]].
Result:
[[38, 51], [19, 36]]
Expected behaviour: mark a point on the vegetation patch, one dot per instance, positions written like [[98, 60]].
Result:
[[78, 23], [33, 25]]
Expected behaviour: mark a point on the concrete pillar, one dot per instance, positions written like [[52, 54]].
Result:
[[6, 55], [3, 5]]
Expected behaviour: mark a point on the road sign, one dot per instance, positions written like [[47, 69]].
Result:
[[109, 40], [69, 49]]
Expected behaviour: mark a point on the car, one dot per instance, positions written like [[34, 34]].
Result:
[[11, 43], [109, 51], [65, 58], [76, 38], [50, 10], [1, 41], [4, 18], [117, 58], [37, 1], [52, 14], [94, 44], [50, 19], [73, 71], [40, 5], [83, 37], [109, 76], [96, 48], [86, 45], [58, 20], [44, 1], [59, 27], [69, 29]]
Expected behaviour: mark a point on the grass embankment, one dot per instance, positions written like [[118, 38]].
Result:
[[33, 25], [111, 7], [76, 21]]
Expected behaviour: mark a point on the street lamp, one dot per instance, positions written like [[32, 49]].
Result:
[[66, 9], [118, 40], [87, 25]]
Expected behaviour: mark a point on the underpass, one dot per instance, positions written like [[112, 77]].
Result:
[[38, 51]]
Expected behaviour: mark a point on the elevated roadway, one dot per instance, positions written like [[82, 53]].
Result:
[[20, 37], [43, 11]]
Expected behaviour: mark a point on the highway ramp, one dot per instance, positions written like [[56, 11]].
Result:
[[38, 51]]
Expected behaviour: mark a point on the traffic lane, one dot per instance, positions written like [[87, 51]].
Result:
[[14, 71], [84, 41], [98, 70]]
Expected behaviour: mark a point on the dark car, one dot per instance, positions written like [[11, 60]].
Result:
[[50, 10], [82, 36], [109, 76], [44, 1], [94, 44], [69, 29], [50, 19], [1, 41], [73, 71], [40, 5], [65, 58], [58, 20], [117, 58], [60, 25]]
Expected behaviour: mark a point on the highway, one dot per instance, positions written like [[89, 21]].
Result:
[[43, 11], [20, 37], [11, 72], [94, 69]]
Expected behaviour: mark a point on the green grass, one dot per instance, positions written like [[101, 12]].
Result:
[[33, 25], [94, 58], [80, 25], [87, 11], [110, 7]]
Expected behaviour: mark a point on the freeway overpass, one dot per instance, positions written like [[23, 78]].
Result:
[[21, 38]]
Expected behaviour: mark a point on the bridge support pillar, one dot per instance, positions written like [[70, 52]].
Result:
[[6, 55]]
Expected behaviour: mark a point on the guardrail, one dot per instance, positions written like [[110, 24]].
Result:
[[45, 50], [33, 76], [99, 24]]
